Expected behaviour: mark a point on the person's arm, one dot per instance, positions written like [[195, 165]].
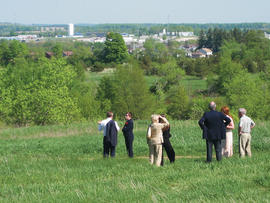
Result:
[[239, 130], [116, 125], [148, 133], [227, 120], [166, 122], [240, 127], [231, 125], [201, 122], [252, 124], [101, 125]]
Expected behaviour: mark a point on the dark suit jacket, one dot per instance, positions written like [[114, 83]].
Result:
[[111, 133], [128, 128], [214, 124]]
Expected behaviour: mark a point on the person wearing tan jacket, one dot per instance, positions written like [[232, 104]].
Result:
[[155, 138]]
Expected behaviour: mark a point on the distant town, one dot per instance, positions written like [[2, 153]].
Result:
[[134, 41]]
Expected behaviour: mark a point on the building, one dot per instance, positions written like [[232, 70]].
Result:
[[207, 52], [198, 54], [70, 29]]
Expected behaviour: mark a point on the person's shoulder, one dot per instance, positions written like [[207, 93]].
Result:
[[206, 113], [111, 122], [221, 114]]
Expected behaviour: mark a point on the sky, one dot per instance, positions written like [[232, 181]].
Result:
[[135, 11]]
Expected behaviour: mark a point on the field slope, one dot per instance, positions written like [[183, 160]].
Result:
[[64, 164]]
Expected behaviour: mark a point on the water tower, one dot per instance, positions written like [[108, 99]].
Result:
[[70, 29]]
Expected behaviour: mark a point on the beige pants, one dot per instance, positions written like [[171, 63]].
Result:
[[155, 154], [245, 148], [227, 145]]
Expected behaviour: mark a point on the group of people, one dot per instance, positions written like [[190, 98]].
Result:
[[110, 130], [217, 130], [158, 137]]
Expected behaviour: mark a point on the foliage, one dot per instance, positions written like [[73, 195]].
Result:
[[132, 94], [251, 93], [9, 50], [177, 102], [37, 93], [115, 49], [87, 104], [106, 93], [57, 51]]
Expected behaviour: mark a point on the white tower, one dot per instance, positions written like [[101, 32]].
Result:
[[70, 29], [164, 31]]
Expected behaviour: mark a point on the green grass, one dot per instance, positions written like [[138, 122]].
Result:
[[65, 164]]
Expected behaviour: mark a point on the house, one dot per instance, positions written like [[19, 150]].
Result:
[[49, 54], [198, 54], [67, 53], [207, 52]]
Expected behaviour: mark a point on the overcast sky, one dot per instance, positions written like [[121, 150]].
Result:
[[134, 11]]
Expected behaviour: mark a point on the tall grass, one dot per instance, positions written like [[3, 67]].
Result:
[[65, 164]]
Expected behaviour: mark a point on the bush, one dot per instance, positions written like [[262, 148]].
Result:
[[98, 67]]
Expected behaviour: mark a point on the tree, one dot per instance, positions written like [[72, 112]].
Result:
[[249, 92], [132, 92], [57, 51], [177, 102], [115, 49], [157, 51], [37, 93], [202, 39], [11, 50]]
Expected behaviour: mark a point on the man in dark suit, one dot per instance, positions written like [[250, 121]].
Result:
[[128, 134], [110, 130], [213, 124]]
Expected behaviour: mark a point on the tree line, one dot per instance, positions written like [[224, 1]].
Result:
[[35, 90]]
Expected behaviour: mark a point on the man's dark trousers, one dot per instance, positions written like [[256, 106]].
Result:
[[209, 147], [108, 149], [129, 144]]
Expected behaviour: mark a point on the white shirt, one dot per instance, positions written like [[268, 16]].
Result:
[[102, 125], [245, 123]]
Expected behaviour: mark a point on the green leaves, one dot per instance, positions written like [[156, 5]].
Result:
[[115, 48], [126, 90], [37, 93]]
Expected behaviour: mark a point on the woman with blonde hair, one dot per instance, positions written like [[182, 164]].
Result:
[[155, 138], [227, 146]]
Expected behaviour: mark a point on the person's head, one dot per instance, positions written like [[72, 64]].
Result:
[[128, 116], [109, 114], [225, 110], [212, 105], [155, 118], [242, 112]]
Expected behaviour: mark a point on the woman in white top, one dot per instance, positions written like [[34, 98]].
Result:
[[227, 146]]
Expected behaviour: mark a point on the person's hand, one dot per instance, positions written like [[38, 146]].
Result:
[[99, 122]]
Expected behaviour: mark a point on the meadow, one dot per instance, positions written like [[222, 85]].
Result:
[[64, 163]]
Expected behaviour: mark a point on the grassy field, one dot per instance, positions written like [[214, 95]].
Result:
[[65, 164]]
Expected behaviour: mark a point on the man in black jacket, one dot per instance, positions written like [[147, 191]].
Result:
[[213, 124], [110, 129], [128, 134]]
